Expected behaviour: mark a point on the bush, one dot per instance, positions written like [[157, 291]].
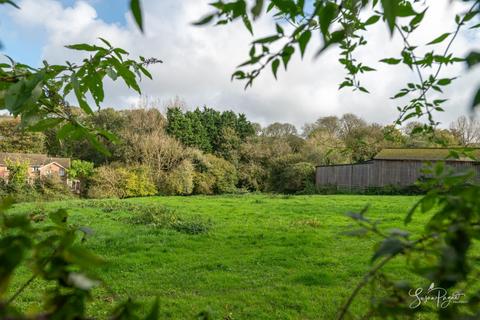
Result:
[[298, 177], [252, 177], [81, 170], [203, 183], [52, 188], [288, 174], [17, 176], [138, 182], [214, 175], [179, 181], [121, 182]]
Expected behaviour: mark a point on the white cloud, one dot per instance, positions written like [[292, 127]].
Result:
[[198, 62]]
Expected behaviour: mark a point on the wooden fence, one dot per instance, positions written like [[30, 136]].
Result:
[[380, 173]]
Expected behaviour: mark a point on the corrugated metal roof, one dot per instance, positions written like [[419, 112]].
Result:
[[424, 154], [34, 159]]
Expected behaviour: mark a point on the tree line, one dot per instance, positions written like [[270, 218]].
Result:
[[205, 151]]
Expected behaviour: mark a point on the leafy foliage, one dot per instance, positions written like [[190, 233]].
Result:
[[121, 182], [52, 251], [39, 95]]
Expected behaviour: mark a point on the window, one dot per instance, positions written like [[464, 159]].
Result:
[[61, 172]]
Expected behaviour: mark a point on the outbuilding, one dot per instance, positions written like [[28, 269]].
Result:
[[397, 167]]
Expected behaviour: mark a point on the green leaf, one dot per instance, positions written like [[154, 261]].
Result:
[[389, 247], [335, 37], [109, 45], [476, 100], [268, 39], [137, 13], [439, 39], [390, 11], [444, 82], [80, 97], [391, 61], [326, 16], [470, 15], [204, 20], [84, 47], [473, 58], [303, 41], [24, 93], [247, 24], [154, 311], [97, 144], [400, 94], [109, 136], [408, 217], [65, 131], [287, 55], [405, 9], [363, 89], [275, 65], [428, 202], [45, 124], [125, 73], [417, 19], [257, 8], [372, 20], [10, 2], [59, 216]]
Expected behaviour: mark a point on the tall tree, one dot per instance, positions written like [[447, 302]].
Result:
[[466, 130], [13, 138]]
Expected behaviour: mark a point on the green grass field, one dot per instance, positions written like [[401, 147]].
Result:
[[238, 257]]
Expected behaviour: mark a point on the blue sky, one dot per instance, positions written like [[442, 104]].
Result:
[[25, 44]]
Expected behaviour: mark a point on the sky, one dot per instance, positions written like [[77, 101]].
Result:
[[198, 61]]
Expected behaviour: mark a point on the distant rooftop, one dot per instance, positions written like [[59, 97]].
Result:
[[34, 159], [424, 154]]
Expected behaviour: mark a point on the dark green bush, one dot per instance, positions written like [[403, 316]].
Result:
[[288, 175]]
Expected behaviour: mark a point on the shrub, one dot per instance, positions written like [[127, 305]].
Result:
[[105, 183], [214, 175], [164, 217], [289, 176], [17, 175], [138, 182], [52, 188], [83, 171], [225, 175], [252, 176], [299, 176], [281, 172], [179, 181], [203, 183], [121, 182], [80, 169]]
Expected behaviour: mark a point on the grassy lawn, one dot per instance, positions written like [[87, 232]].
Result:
[[262, 257]]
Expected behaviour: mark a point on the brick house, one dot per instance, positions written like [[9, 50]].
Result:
[[40, 165]]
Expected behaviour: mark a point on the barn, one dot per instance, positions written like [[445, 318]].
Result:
[[397, 167]]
